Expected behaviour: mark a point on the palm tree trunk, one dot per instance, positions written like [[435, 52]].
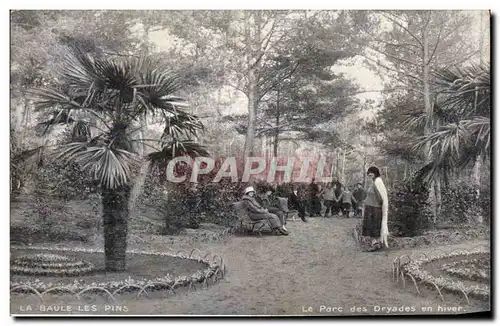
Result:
[[115, 217]]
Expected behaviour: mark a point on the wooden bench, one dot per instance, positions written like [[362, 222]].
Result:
[[245, 223]]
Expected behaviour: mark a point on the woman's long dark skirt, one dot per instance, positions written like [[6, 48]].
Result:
[[372, 222]]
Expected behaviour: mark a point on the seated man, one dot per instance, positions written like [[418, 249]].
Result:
[[346, 199], [294, 203], [269, 202], [256, 212], [359, 194]]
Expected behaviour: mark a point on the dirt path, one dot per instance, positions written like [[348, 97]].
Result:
[[317, 266]]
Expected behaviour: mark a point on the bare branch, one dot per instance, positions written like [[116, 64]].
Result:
[[387, 90], [279, 80], [455, 61], [264, 130], [395, 57], [376, 39], [428, 19], [237, 87], [263, 51], [459, 25], [436, 46], [391, 69], [406, 29]]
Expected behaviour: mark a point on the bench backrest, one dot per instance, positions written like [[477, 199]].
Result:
[[239, 205], [240, 209]]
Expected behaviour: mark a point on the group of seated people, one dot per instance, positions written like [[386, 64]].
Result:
[[335, 198], [267, 207]]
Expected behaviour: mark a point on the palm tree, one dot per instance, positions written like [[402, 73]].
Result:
[[462, 125], [106, 102]]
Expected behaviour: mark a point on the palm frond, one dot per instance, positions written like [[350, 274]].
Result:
[[177, 148], [59, 117], [116, 92], [111, 167], [414, 119], [456, 145], [465, 91], [47, 98], [181, 124], [79, 71], [159, 90], [81, 131]]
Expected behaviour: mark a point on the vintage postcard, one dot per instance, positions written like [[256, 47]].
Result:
[[250, 162]]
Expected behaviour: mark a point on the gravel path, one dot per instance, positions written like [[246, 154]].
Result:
[[317, 269]]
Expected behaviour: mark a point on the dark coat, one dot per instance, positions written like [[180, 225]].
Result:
[[359, 194], [254, 209]]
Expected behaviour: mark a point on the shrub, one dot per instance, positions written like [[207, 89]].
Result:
[[485, 204], [408, 209], [29, 233], [64, 181], [187, 205], [459, 203]]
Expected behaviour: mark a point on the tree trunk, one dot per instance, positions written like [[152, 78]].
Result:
[[364, 172], [343, 167], [476, 171], [476, 181], [277, 132], [253, 48], [437, 189], [252, 112], [115, 215], [337, 166], [429, 116], [26, 113], [138, 186]]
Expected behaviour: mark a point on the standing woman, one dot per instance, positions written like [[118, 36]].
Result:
[[375, 213]]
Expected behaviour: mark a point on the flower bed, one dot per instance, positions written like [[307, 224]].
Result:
[[472, 269], [49, 265], [414, 268], [431, 238], [214, 268]]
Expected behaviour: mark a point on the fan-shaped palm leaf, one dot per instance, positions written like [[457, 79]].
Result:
[[81, 131], [457, 144], [177, 148], [181, 124], [465, 99], [111, 167], [465, 91]]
